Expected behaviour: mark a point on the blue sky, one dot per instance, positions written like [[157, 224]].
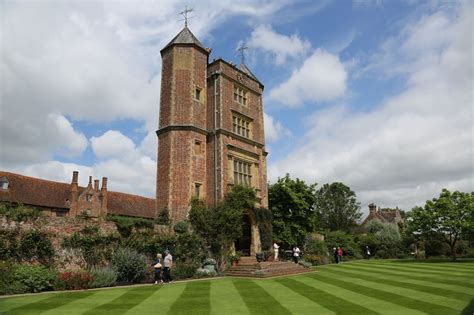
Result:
[[375, 94]]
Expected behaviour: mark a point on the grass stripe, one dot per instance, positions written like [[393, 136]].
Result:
[[369, 302], [258, 300], [455, 271], [125, 301], [329, 301], [291, 300], [195, 299], [451, 285], [161, 301], [412, 286], [225, 299], [387, 296], [409, 270], [425, 270], [49, 303], [438, 279]]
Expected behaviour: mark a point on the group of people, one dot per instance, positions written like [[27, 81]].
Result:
[[165, 276], [296, 253], [337, 252]]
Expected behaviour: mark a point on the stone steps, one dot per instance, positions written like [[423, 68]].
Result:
[[249, 268]]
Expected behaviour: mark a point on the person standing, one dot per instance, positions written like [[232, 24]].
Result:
[[167, 263], [335, 254], [157, 265], [296, 254], [275, 251], [367, 252], [339, 253]]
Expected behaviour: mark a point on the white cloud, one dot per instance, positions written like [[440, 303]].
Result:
[[274, 130], [280, 46], [322, 77], [112, 144], [413, 144]]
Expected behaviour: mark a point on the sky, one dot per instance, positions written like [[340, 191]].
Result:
[[375, 94]]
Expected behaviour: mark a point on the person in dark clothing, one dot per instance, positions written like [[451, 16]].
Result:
[[335, 254]]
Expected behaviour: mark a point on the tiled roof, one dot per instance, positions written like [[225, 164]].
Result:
[[34, 191], [374, 216], [185, 37], [132, 205]]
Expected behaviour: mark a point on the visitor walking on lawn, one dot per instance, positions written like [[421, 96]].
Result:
[[157, 265], [335, 254], [339, 253], [168, 263], [296, 254]]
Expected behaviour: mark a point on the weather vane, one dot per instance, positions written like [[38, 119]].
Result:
[[185, 14], [242, 49]]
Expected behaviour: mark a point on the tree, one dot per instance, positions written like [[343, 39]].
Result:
[[449, 218], [220, 225], [336, 207], [292, 204]]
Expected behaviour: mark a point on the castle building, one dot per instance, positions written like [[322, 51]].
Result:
[[210, 138], [211, 132]]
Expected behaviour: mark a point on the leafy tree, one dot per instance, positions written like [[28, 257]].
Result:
[[336, 207], [220, 225], [449, 218], [292, 204]]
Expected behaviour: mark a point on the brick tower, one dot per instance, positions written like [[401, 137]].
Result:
[[211, 134], [182, 126]]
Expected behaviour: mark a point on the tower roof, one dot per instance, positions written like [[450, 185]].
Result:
[[247, 71], [185, 37]]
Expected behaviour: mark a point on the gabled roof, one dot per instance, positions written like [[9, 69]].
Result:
[[185, 37], [131, 205], [34, 191]]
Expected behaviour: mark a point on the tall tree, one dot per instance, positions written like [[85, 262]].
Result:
[[449, 218], [336, 207], [292, 205]]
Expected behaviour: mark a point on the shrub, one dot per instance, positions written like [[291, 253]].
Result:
[[125, 224], [94, 246], [103, 277], [203, 273], [209, 261], [184, 270], [36, 245], [19, 213], [181, 227], [8, 285], [35, 278], [163, 217], [315, 250], [74, 280], [8, 244], [130, 265]]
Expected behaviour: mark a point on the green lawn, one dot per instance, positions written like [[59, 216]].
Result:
[[363, 287]]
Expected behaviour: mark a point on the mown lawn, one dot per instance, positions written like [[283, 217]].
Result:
[[363, 287]]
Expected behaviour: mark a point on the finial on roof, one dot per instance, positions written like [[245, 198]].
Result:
[[185, 14], [242, 49]]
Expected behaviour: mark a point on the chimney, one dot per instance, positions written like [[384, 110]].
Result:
[[75, 177], [103, 194], [104, 183], [96, 185], [73, 194], [372, 208], [90, 182]]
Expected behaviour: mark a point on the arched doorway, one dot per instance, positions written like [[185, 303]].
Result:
[[244, 243]]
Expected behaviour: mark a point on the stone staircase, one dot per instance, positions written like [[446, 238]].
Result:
[[249, 267]]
